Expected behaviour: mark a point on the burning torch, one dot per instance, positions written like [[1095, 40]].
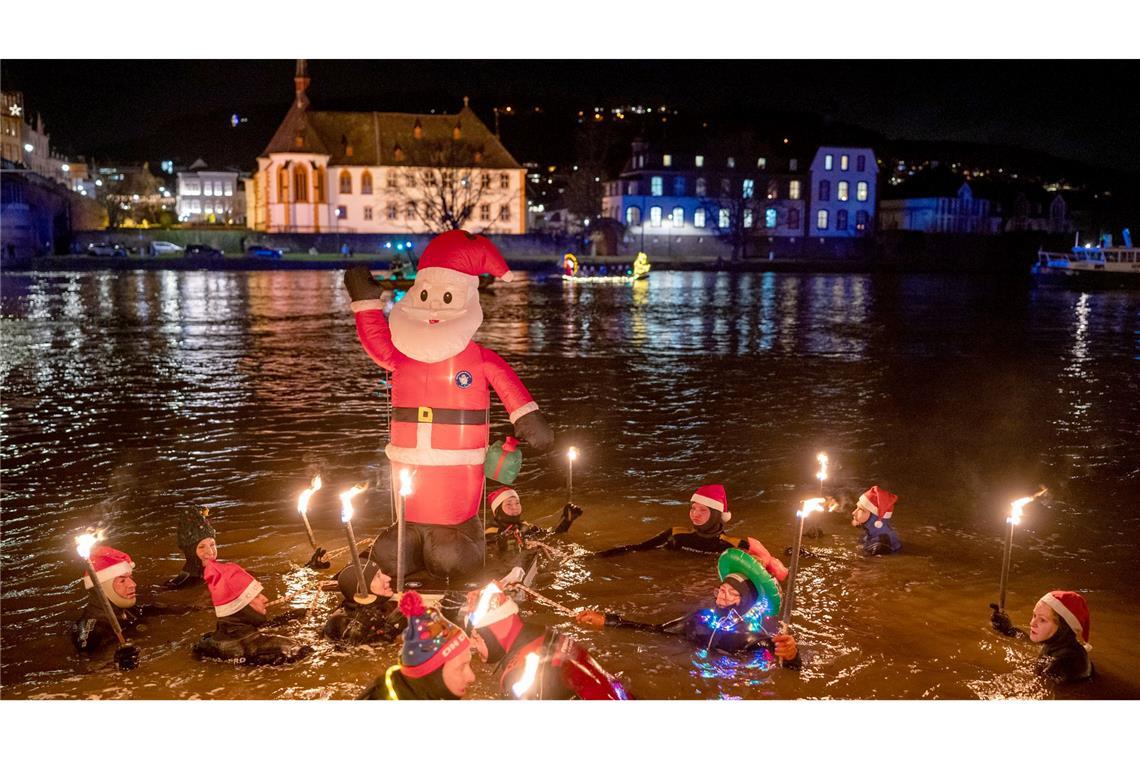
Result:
[[1015, 514], [315, 562], [126, 656], [821, 476], [571, 455], [405, 492], [530, 670], [806, 508], [363, 595]]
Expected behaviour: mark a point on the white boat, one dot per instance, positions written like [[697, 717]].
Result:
[[1103, 265]]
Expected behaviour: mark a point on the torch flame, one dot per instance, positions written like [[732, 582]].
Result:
[[484, 604], [810, 505], [405, 482], [572, 454], [303, 499], [85, 543], [529, 672], [346, 500], [1016, 509], [821, 457]]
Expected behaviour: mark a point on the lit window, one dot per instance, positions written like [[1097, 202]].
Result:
[[746, 188], [761, 162], [860, 163], [195, 206], [699, 161], [229, 188], [861, 219], [485, 212], [504, 213], [699, 218], [366, 185], [678, 186], [633, 188], [655, 216], [824, 190], [722, 218], [702, 187], [821, 219], [773, 189], [218, 187], [841, 191], [207, 188], [667, 160], [678, 217], [368, 213], [655, 188], [841, 219], [730, 163], [633, 216], [504, 181], [843, 163], [861, 191], [794, 189], [770, 218], [827, 162], [748, 217]]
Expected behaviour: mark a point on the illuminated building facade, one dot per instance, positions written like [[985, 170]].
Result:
[[843, 193], [370, 172], [207, 196]]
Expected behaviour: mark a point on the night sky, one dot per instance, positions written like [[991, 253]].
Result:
[[1075, 110]]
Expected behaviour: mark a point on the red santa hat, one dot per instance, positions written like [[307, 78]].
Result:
[[499, 607], [713, 497], [465, 253], [1072, 608], [499, 495], [231, 587], [109, 563], [879, 502]]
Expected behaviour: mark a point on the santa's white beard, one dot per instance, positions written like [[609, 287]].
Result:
[[416, 338]]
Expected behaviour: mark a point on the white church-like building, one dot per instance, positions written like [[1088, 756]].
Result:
[[395, 173]]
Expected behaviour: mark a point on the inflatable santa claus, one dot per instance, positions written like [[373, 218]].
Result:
[[441, 383]]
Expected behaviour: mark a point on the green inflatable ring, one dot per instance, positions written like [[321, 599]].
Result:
[[740, 561]]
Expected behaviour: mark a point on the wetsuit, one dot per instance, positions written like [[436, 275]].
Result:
[[378, 623], [506, 530], [709, 628], [882, 540], [1063, 658], [567, 670], [237, 638], [393, 685], [92, 631]]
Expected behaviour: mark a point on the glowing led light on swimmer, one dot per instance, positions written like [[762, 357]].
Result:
[[530, 669]]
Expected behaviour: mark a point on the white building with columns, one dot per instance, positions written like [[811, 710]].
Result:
[[372, 172]]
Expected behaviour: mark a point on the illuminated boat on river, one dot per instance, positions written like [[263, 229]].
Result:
[[573, 272], [1103, 265]]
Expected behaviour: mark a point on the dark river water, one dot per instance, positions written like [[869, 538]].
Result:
[[128, 395]]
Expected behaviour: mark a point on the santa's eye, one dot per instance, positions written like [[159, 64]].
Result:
[[447, 297], [423, 294]]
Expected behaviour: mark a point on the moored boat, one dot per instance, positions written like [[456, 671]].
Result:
[[1103, 265]]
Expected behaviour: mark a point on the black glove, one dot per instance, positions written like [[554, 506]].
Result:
[[317, 561], [1001, 622], [182, 579], [532, 428], [360, 285], [127, 657], [286, 617]]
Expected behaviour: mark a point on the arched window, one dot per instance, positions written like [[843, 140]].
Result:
[[345, 182], [678, 216], [771, 218], [366, 183], [824, 189], [319, 185], [821, 219], [300, 184], [633, 216], [841, 219], [282, 185]]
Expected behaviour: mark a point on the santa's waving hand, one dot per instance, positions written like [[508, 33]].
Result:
[[441, 397]]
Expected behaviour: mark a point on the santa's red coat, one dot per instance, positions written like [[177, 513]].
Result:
[[446, 459]]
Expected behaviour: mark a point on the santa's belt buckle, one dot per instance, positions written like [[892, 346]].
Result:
[[424, 414]]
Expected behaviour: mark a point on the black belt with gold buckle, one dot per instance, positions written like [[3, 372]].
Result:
[[441, 416]]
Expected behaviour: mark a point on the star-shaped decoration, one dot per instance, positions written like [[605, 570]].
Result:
[[15, 109]]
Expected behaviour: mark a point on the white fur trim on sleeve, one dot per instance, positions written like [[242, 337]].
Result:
[[523, 410]]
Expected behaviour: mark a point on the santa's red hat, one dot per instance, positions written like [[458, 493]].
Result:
[[879, 502], [231, 587], [463, 252], [499, 495], [1072, 608], [713, 497], [109, 563]]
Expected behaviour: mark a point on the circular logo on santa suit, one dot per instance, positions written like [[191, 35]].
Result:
[[464, 379]]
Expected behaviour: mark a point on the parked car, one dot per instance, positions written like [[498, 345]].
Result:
[[265, 252], [198, 250], [106, 249], [161, 246]]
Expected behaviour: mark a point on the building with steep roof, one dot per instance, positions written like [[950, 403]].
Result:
[[371, 172]]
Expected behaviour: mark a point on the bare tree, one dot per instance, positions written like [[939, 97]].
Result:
[[734, 214], [444, 186]]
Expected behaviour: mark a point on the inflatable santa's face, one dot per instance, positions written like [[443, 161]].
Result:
[[439, 315]]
